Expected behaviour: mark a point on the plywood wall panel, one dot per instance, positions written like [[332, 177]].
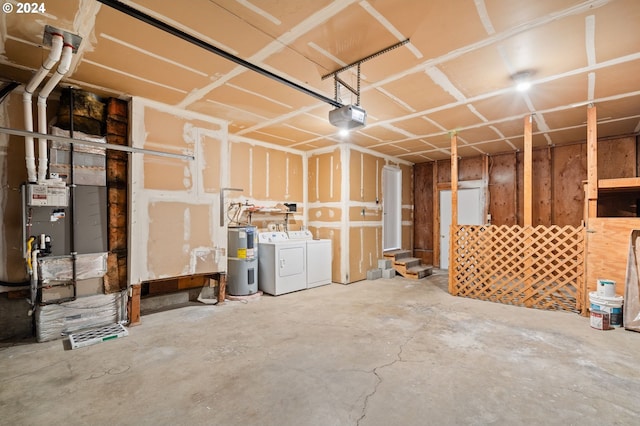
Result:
[[541, 188], [444, 171], [277, 181], [423, 207], [503, 189], [569, 170], [407, 184], [617, 158], [470, 168], [607, 250]]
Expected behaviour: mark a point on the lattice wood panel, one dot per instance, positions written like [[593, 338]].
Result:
[[541, 267]]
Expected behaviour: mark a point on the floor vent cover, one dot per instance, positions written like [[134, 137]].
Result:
[[97, 335]]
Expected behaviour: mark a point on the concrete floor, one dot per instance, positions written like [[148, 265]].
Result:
[[384, 352]]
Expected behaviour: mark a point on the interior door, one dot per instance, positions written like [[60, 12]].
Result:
[[391, 208], [470, 207]]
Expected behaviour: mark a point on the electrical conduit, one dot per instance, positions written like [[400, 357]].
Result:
[[54, 56], [63, 68]]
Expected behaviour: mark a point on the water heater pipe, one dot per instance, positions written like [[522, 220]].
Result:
[[61, 71], [54, 56], [222, 191]]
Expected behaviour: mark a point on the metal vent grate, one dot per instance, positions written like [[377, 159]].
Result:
[[97, 335]]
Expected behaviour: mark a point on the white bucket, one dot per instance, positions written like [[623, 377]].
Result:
[[606, 288], [612, 305]]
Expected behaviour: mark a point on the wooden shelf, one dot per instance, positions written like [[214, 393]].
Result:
[[620, 184]]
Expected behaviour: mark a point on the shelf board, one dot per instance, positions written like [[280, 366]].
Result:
[[619, 184]]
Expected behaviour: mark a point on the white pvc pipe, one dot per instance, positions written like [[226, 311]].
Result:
[[63, 68], [54, 56]]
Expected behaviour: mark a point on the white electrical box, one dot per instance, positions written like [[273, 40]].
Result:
[[45, 195]]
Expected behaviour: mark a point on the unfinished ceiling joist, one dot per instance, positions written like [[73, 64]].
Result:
[[114, 147], [134, 13]]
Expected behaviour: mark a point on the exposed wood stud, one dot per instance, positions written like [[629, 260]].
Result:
[[454, 210], [528, 192], [592, 162]]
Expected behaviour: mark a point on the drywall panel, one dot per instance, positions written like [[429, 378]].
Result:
[[503, 189], [174, 220], [211, 158], [607, 250], [283, 176], [325, 214], [259, 170], [242, 170], [365, 247], [182, 248], [569, 170], [365, 214], [365, 173], [617, 158], [325, 177], [170, 133]]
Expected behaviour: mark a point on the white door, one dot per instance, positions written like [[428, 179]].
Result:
[[470, 207], [391, 208]]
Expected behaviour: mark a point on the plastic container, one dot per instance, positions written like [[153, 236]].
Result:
[[611, 305], [606, 288]]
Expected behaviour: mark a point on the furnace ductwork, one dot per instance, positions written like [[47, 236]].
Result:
[[52, 59], [63, 68]]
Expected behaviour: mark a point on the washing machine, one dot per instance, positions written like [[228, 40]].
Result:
[[319, 255], [281, 263]]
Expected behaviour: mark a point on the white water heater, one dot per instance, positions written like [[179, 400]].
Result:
[[242, 271]]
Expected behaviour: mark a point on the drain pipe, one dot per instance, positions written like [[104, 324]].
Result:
[[63, 68], [54, 56]]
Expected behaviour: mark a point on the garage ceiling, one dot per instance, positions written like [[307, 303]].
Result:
[[455, 74]]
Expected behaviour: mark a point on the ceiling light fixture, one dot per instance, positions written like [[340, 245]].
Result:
[[343, 133], [522, 80]]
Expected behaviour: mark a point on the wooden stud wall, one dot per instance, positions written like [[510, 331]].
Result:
[[558, 192], [117, 181]]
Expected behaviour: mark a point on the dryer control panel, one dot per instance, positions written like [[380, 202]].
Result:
[[272, 237]]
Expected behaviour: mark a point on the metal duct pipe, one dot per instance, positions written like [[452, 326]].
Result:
[[61, 71], [54, 56]]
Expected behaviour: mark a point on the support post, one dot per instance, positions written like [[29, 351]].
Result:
[[134, 305], [592, 162], [454, 212], [528, 154]]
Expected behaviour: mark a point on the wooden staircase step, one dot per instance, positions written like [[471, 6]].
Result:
[[408, 262], [417, 272], [397, 254]]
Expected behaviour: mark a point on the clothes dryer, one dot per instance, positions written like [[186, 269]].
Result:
[[318, 259]]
